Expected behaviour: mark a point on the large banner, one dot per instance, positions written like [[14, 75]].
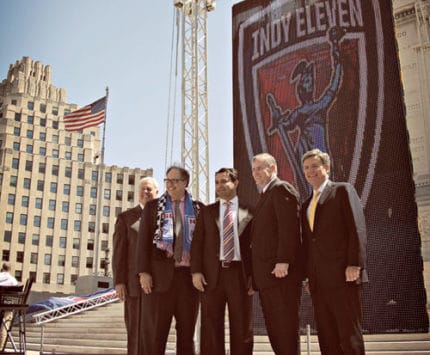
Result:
[[325, 74]]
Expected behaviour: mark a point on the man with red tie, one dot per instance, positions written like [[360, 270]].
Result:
[[218, 271], [334, 236]]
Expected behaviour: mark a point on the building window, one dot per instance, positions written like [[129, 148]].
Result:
[[75, 261], [78, 208], [89, 262], [131, 179], [118, 210], [29, 149], [68, 172], [9, 217], [108, 177], [42, 108], [19, 256], [26, 183], [11, 199], [64, 223], [130, 196], [80, 173], [107, 194], [36, 221], [66, 189], [55, 170], [18, 275], [65, 206], [30, 119], [67, 141], [90, 244], [104, 245], [7, 236], [118, 195], [15, 163], [80, 143], [24, 201], [13, 102], [52, 204], [38, 202], [29, 165], [73, 279], [47, 259], [79, 191], [55, 111], [94, 175], [43, 122], [77, 226], [5, 255], [92, 210], [68, 155], [62, 242], [35, 239], [32, 275], [80, 157], [61, 260], [60, 279], [16, 131], [33, 258], [105, 227], [53, 187], [93, 192], [51, 222], [106, 211], [42, 168], [30, 105], [13, 180], [16, 146], [17, 117], [91, 227], [55, 138], [49, 242], [46, 278], [42, 136], [29, 133], [21, 238], [42, 151], [119, 178], [55, 153], [23, 219], [76, 243], [40, 185]]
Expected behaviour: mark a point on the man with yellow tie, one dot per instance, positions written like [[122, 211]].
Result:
[[334, 238]]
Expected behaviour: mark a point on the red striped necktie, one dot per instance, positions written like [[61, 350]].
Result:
[[228, 232]]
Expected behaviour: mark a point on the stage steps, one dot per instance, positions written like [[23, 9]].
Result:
[[102, 331]]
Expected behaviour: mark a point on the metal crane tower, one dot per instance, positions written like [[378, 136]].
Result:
[[194, 125]]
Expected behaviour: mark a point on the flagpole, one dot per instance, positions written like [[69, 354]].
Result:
[[100, 190]]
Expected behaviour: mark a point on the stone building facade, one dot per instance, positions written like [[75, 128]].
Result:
[[58, 206]]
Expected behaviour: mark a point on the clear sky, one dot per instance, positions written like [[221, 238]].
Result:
[[125, 45]]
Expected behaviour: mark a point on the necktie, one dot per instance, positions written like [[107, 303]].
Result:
[[228, 233], [178, 232], [312, 208]]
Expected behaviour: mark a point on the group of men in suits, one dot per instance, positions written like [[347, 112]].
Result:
[[220, 253]]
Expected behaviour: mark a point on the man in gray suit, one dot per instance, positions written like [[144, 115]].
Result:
[[126, 279]]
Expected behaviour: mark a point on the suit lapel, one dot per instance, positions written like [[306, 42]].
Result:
[[243, 218], [324, 195], [264, 196]]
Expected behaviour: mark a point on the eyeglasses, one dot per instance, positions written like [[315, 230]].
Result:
[[172, 181]]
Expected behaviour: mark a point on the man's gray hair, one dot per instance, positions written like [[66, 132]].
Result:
[[151, 180], [267, 158], [324, 157]]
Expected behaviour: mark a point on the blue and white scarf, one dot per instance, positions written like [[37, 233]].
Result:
[[163, 236]]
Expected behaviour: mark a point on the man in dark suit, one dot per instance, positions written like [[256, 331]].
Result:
[[218, 272], [124, 269], [275, 245], [334, 234], [163, 258]]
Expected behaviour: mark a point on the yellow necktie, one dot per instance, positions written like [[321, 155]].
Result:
[[312, 208]]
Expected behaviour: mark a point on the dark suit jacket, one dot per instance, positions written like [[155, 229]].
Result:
[[205, 246], [149, 258], [339, 236], [124, 250], [275, 234]]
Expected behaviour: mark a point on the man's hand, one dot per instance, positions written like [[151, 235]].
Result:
[[145, 280], [121, 292], [199, 281], [280, 270], [352, 273]]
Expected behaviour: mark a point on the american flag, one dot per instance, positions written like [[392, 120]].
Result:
[[88, 116]]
